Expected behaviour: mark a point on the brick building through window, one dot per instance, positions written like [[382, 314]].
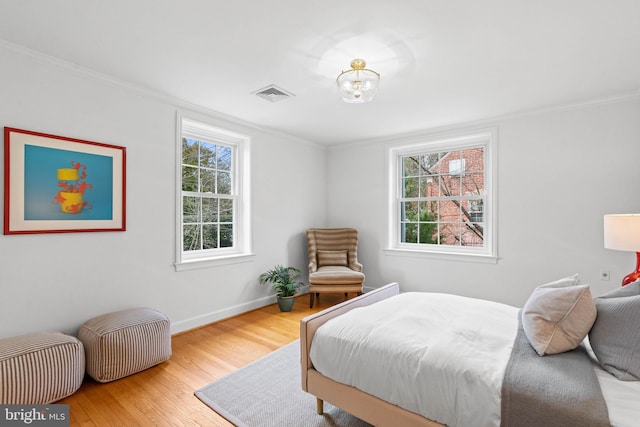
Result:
[[443, 197]]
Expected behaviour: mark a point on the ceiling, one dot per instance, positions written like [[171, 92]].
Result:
[[442, 62]]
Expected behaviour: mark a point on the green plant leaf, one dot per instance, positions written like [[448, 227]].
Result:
[[283, 280]]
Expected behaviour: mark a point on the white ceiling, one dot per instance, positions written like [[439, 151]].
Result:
[[442, 61]]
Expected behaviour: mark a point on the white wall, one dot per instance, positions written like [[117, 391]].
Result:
[[57, 281], [559, 172]]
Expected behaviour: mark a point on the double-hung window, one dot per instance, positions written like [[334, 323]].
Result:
[[442, 196], [214, 195]]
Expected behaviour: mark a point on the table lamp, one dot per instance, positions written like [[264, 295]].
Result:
[[622, 233]]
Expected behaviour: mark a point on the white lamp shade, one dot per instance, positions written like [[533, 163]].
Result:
[[622, 232]]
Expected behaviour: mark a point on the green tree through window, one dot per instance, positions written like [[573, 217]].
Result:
[[207, 199]]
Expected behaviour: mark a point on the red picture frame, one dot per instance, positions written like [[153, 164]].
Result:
[[56, 184]]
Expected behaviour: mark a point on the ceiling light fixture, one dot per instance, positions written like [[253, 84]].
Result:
[[359, 84]]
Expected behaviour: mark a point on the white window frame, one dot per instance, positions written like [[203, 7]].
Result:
[[241, 251], [486, 138]]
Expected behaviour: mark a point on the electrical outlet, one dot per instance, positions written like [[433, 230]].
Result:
[[605, 275]]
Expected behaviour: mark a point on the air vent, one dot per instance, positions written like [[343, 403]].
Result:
[[273, 93]]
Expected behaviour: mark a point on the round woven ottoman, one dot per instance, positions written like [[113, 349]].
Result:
[[125, 342]]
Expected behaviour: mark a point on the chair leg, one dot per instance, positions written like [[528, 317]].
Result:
[[311, 295], [345, 295], [319, 406]]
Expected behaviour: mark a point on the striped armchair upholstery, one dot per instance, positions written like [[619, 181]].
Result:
[[124, 342], [40, 368], [333, 261]]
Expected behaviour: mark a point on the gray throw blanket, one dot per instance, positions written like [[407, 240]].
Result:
[[555, 390]]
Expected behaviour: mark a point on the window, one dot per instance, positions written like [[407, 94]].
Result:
[[207, 200], [214, 195], [456, 166], [475, 210], [441, 196]]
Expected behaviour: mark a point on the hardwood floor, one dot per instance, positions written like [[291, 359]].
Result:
[[163, 395]]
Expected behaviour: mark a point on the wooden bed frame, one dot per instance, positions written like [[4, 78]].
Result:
[[363, 405]]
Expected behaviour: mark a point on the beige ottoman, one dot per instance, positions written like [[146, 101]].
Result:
[[125, 342], [40, 368]]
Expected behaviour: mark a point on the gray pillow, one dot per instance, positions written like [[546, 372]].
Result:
[[558, 315], [615, 336]]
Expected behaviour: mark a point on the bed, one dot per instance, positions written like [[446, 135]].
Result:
[[326, 375]]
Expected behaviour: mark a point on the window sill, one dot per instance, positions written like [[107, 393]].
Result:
[[446, 256], [213, 262]]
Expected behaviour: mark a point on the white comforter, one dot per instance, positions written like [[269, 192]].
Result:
[[407, 344]]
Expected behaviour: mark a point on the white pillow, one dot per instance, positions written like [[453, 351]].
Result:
[[558, 315]]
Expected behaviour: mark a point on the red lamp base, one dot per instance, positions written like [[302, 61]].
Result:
[[635, 275]]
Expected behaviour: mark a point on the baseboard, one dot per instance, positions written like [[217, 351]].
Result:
[[215, 316], [304, 289]]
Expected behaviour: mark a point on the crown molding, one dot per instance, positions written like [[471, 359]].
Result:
[[149, 93]]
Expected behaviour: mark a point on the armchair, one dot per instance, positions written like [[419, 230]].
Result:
[[333, 261]]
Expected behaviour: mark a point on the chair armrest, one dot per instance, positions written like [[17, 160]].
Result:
[[313, 267], [356, 266]]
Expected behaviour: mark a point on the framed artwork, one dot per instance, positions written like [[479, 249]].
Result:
[[54, 184]]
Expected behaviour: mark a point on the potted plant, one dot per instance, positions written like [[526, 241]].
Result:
[[283, 280]]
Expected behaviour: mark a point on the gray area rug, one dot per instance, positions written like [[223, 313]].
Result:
[[268, 393]]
